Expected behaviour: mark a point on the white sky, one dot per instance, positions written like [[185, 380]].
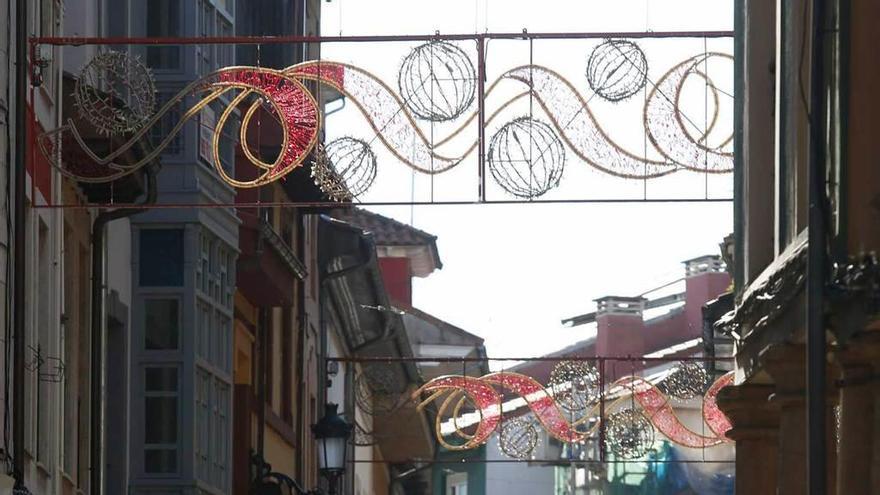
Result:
[[512, 272]]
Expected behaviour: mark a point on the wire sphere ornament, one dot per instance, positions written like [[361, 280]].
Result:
[[115, 92], [518, 438], [630, 435], [617, 69], [437, 81], [686, 381], [345, 168], [526, 157], [575, 385], [377, 390], [362, 437]]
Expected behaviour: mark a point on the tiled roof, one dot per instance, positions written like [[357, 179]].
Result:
[[388, 231]]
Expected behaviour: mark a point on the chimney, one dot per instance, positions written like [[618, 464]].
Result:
[[706, 278], [620, 327]]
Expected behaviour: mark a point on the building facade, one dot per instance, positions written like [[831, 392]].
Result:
[[806, 105]]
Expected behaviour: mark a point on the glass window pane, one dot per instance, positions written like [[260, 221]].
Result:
[[163, 19], [160, 461], [160, 415], [161, 379], [161, 257], [161, 324]]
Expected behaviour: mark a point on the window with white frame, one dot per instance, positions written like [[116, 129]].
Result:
[[207, 21], [215, 286], [220, 420], [203, 424], [161, 417]]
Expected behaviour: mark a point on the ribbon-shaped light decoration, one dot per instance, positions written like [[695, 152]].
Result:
[[285, 98], [483, 395], [296, 111]]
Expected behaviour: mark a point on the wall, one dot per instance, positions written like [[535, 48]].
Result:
[[476, 471], [514, 478]]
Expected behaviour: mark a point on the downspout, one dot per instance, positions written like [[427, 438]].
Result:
[[97, 330], [262, 372], [739, 250], [300, 351], [816, 267], [18, 330]]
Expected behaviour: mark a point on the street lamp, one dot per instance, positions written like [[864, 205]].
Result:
[[332, 433]]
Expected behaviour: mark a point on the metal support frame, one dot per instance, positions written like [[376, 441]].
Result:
[[481, 43], [270, 40]]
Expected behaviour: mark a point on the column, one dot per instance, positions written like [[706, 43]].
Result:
[[755, 429], [856, 419], [785, 364]]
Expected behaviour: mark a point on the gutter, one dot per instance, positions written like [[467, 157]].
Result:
[[97, 328]]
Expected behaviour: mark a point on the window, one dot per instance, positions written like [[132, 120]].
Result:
[[206, 29], [203, 424], [227, 5], [161, 324], [225, 53], [212, 429], [456, 484], [207, 127], [164, 127], [204, 330], [220, 411], [203, 270], [161, 391], [163, 19], [161, 258]]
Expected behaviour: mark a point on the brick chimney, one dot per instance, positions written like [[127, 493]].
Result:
[[705, 280], [620, 327]]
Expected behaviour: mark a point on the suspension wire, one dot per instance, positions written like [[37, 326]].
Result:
[[332, 204]]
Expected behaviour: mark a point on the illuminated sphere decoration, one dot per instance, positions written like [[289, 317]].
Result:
[[115, 93], [377, 390], [629, 434], [518, 438], [526, 157], [686, 381], [345, 168], [437, 81], [575, 385], [617, 69]]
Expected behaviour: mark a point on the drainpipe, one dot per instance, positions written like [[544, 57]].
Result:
[[262, 373], [18, 250], [300, 350], [816, 267], [97, 330]]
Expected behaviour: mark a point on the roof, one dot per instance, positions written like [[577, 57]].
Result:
[[389, 232], [443, 326]]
